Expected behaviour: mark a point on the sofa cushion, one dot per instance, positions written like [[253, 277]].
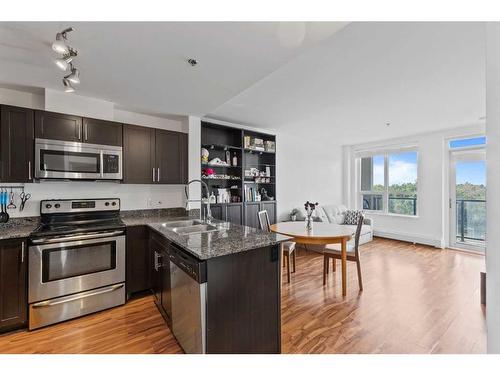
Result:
[[352, 217], [335, 213]]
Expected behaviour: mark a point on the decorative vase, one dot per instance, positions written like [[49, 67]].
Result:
[[309, 223]]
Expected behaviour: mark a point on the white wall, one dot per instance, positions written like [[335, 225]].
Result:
[[309, 168], [493, 192], [133, 196], [431, 225]]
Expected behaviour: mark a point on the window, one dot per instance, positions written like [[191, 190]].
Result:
[[467, 142], [388, 182]]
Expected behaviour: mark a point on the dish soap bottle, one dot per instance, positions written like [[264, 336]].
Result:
[[235, 160]]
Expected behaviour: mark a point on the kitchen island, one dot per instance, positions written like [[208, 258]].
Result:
[[219, 291]]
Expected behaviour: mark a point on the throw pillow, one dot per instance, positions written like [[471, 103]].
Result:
[[352, 217]]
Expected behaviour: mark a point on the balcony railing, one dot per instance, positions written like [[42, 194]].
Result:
[[397, 205], [471, 220]]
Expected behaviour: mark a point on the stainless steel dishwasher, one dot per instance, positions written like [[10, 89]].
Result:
[[188, 282]]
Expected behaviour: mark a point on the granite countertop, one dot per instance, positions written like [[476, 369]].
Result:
[[18, 227], [229, 239], [144, 217]]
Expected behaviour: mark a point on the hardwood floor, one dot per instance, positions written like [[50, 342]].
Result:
[[136, 327], [416, 299]]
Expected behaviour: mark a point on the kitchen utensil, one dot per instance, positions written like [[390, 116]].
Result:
[[4, 217], [24, 197], [12, 205]]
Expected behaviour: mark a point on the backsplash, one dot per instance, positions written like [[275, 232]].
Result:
[[133, 197]]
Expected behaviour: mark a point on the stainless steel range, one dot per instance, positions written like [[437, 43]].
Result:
[[76, 260]]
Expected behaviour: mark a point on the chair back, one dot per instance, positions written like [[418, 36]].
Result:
[[358, 233], [265, 225]]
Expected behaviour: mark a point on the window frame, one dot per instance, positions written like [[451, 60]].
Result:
[[385, 193]]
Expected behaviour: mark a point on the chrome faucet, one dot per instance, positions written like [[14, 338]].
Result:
[[209, 212]]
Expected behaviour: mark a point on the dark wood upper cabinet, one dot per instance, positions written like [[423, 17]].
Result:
[[13, 288], [138, 155], [102, 132], [171, 157], [59, 126], [137, 254], [16, 144]]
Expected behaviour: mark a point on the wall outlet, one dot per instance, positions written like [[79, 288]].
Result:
[[155, 203]]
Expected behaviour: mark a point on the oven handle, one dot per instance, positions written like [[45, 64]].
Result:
[[77, 297], [76, 238]]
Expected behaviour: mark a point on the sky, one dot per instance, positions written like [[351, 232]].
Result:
[[402, 168], [471, 171]]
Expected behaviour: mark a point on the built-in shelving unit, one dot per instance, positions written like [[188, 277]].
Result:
[[254, 170]]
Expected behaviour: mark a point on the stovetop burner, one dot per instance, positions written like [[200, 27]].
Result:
[[65, 217]]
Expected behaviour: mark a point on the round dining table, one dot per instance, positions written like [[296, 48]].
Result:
[[321, 234]]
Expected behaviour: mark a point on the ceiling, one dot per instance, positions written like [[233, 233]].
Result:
[[417, 76], [143, 65], [345, 82]]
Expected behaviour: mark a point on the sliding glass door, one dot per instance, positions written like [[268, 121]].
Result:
[[468, 199]]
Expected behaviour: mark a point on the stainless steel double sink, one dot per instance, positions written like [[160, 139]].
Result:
[[185, 227]]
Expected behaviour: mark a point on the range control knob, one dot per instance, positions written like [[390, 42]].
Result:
[[57, 205], [48, 206], [106, 204], [113, 204]]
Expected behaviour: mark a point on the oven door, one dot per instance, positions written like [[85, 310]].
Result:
[[74, 160], [77, 264]]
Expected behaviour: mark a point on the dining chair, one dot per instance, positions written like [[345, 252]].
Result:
[[287, 247], [334, 252]]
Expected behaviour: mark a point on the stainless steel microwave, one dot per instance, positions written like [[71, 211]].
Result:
[[75, 160]]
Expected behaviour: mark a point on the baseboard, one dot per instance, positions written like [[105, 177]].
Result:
[[410, 238]]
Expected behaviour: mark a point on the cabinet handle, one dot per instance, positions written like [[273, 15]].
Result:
[[86, 132], [29, 171], [22, 252], [158, 169], [157, 263], [79, 133], [153, 175]]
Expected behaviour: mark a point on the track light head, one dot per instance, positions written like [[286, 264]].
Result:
[[74, 76], [60, 46], [67, 85]]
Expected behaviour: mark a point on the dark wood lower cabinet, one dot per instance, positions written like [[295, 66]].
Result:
[[231, 212], [251, 214], [243, 302], [138, 276], [270, 207], [234, 213], [13, 287]]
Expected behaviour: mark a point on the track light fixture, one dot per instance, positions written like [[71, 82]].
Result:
[[65, 61]]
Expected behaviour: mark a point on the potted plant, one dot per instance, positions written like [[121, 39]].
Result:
[[293, 214]]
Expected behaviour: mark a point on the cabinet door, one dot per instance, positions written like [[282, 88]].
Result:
[[138, 155], [270, 207], [13, 288], [155, 251], [251, 214], [217, 211], [138, 269], [166, 299], [16, 144], [58, 126], [102, 132], [171, 157], [234, 213]]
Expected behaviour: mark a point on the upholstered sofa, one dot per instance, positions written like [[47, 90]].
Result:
[[335, 214]]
